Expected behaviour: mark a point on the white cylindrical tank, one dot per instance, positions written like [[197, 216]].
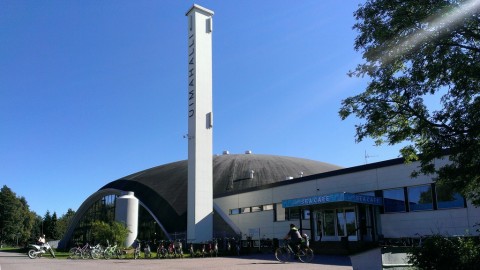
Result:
[[126, 212]]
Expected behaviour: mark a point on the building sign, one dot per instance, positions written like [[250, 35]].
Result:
[[332, 198], [191, 69]]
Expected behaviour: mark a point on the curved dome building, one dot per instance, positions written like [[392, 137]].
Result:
[[258, 196], [162, 193]]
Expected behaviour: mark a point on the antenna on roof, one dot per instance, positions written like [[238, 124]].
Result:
[[368, 156]]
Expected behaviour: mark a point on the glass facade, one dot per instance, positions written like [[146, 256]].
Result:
[[292, 214], [350, 221], [329, 223], [420, 198], [346, 222], [101, 210], [446, 198], [104, 210], [394, 200], [148, 229], [336, 223]]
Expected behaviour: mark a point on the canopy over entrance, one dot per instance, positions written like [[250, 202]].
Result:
[[338, 216], [332, 198]]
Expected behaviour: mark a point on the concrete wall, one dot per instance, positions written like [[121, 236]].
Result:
[[458, 221]]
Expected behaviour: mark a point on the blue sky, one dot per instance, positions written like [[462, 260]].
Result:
[[91, 91]]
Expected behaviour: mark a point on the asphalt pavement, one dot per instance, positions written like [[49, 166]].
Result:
[[16, 261]]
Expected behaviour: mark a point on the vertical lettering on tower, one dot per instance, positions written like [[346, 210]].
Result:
[[191, 70]]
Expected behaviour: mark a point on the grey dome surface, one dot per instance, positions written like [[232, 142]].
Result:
[[163, 189]]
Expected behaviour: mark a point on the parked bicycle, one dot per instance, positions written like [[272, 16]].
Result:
[[178, 249], [286, 253], [146, 250], [96, 251], [79, 252], [161, 250], [113, 251], [136, 251], [233, 246], [214, 250], [191, 251], [203, 250]]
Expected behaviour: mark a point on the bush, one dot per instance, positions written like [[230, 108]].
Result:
[[450, 253]]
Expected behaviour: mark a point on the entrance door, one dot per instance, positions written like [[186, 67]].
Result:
[[325, 225], [332, 224], [350, 223], [366, 222]]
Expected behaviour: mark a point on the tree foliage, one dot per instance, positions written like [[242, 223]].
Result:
[[446, 253], [104, 232], [16, 219], [416, 52], [64, 221]]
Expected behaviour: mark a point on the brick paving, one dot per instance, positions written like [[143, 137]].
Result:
[[13, 261]]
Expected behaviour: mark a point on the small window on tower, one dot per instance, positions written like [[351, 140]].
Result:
[[209, 120]]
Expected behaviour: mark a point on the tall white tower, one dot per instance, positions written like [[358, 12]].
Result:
[[200, 124]]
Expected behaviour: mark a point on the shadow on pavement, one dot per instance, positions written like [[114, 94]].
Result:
[[318, 259]]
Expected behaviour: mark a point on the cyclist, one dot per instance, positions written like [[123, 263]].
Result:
[[295, 238]]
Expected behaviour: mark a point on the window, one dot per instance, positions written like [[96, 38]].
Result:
[[394, 200], [267, 207], [256, 208], [293, 214], [246, 210], [340, 222], [420, 198], [306, 214], [329, 223], [279, 212], [350, 222], [235, 211], [346, 222], [369, 193], [446, 198]]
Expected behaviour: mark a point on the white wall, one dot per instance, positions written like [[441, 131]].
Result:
[[446, 221]]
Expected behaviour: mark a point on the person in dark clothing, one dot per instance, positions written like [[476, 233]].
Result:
[[295, 237]]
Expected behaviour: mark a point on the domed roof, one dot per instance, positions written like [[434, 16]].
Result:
[[163, 189]]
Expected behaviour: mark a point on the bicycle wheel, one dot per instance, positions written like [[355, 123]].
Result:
[[136, 254], [283, 255], [96, 254], [107, 254], [120, 254], [305, 255], [74, 253]]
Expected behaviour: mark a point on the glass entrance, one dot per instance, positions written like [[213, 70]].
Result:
[[332, 224]]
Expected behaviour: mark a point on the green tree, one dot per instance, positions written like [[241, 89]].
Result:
[[101, 232], [53, 226], [16, 219], [64, 221], [47, 225], [37, 227], [115, 232], [28, 223], [416, 52], [119, 232]]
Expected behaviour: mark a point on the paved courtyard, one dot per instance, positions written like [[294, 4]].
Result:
[[15, 261]]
